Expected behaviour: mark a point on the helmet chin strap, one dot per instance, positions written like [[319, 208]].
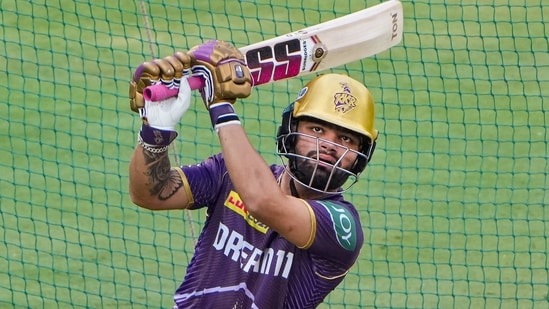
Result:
[[293, 169], [293, 188]]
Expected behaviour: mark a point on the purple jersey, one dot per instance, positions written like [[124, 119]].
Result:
[[241, 263]]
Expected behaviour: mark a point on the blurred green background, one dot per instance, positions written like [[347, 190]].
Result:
[[453, 202]]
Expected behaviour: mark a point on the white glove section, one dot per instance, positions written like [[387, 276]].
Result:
[[166, 114]]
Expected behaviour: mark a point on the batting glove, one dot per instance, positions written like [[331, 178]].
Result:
[[161, 117], [224, 71], [167, 71]]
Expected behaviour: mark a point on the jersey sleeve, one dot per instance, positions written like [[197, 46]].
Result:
[[338, 236], [205, 180]]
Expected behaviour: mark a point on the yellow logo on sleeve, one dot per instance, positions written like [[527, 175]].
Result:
[[234, 203]]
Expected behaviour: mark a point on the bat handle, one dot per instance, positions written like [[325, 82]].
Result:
[[160, 92]]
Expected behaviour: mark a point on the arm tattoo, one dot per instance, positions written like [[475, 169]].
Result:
[[164, 181]]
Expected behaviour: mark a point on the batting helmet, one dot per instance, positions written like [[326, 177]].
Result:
[[336, 99]]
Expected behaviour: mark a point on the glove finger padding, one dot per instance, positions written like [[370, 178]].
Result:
[[223, 67], [172, 68], [143, 77], [168, 71]]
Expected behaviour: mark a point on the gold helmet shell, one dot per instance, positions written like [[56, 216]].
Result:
[[340, 100]]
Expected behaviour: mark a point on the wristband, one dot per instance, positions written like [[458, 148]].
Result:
[[154, 137], [151, 148], [222, 114]]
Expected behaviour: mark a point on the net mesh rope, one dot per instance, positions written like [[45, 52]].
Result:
[[453, 203]]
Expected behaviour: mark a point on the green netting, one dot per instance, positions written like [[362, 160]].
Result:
[[453, 203]]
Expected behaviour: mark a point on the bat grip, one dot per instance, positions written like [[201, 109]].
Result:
[[160, 92]]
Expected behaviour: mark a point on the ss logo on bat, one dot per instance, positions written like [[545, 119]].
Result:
[[281, 61]]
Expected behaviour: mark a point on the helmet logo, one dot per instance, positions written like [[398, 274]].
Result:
[[302, 93], [344, 101]]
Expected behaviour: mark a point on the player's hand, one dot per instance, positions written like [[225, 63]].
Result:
[[223, 68], [161, 117], [168, 71], [166, 114]]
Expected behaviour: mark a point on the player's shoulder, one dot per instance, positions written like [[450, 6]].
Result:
[[213, 162], [340, 219], [337, 204], [337, 208]]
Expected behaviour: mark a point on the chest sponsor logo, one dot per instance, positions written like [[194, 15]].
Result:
[[268, 261], [234, 203]]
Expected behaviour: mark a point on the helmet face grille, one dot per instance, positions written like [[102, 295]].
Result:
[[313, 173]]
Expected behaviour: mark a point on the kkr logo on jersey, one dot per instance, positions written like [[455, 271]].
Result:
[[234, 203]]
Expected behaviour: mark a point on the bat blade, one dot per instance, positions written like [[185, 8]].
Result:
[[321, 47]]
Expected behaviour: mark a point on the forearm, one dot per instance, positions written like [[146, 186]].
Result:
[[249, 172], [153, 184]]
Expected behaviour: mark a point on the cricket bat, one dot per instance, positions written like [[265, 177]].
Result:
[[324, 46]]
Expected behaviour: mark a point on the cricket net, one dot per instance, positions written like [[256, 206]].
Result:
[[453, 204]]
